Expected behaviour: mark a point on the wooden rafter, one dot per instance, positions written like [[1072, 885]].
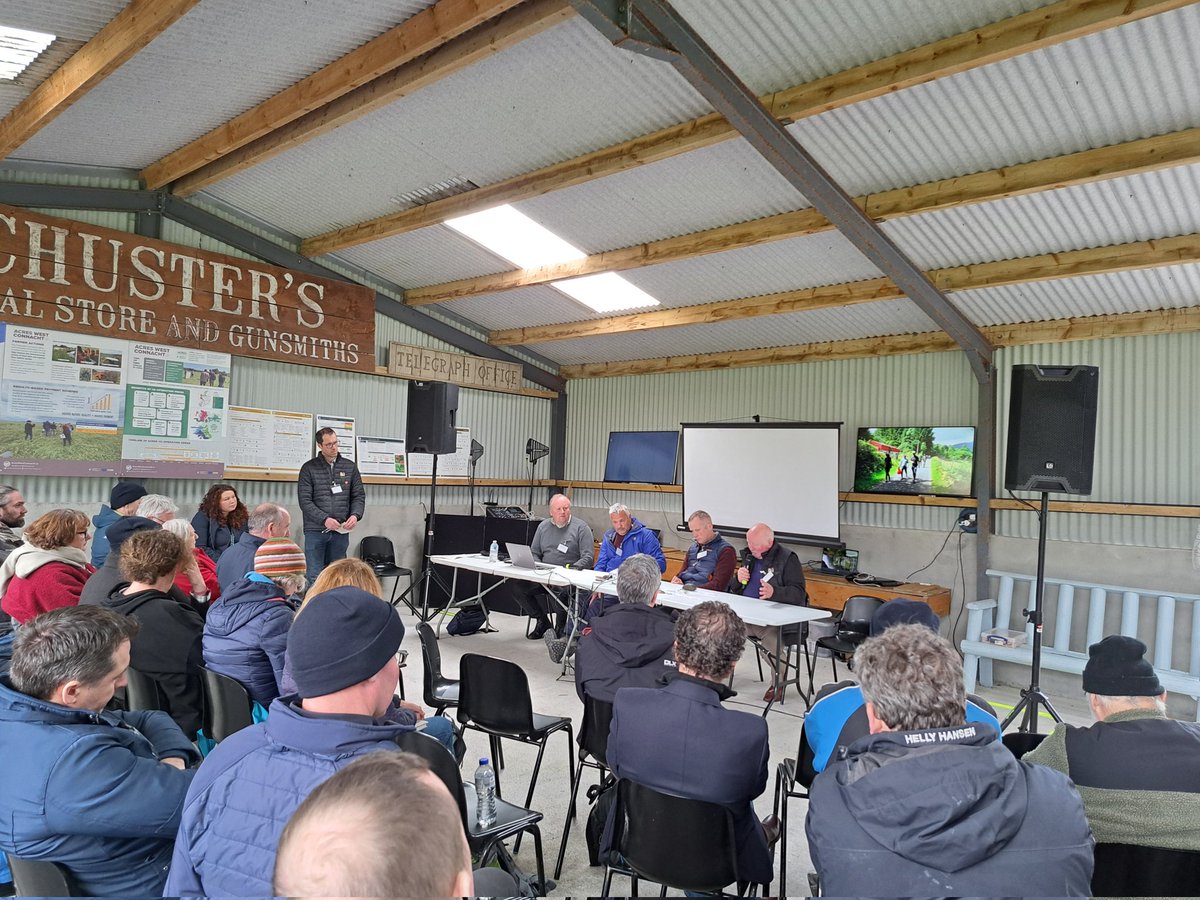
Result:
[[1083, 328], [129, 31], [1119, 160], [417, 35], [525, 21], [1065, 20], [1091, 261]]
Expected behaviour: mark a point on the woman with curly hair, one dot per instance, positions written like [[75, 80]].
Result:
[[220, 521], [49, 570]]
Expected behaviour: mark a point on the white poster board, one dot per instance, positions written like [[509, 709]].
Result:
[[269, 440], [450, 465], [382, 456], [343, 426]]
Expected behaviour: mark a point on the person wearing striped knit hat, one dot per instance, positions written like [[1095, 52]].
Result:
[[245, 634]]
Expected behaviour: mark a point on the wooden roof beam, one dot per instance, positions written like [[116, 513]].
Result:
[[1069, 264], [525, 21], [1083, 328], [115, 44], [417, 35], [1062, 21], [1119, 160]]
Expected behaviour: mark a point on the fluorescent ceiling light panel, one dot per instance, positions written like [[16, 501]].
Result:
[[18, 48], [516, 237], [607, 292]]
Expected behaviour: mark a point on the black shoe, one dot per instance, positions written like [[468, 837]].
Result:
[[536, 634]]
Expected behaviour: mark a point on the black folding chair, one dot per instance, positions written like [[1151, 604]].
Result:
[[378, 552], [853, 627], [1129, 870], [141, 691], [227, 705], [793, 778], [494, 698], [38, 878], [441, 693], [593, 743], [688, 845], [486, 843]]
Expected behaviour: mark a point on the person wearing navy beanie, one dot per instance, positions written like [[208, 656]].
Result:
[[342, 650]]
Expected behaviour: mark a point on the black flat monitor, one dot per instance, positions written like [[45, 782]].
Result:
[[643, 457]]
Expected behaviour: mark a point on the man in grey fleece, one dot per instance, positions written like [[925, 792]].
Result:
[[561, 540]]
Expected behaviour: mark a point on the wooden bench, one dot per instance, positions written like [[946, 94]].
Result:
[[1064, 652]]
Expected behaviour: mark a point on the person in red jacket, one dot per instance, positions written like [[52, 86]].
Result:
[[49, 570], [199, 578]]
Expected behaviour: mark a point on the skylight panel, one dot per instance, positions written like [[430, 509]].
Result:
[[516, 237], [19, 48], [606, 292]]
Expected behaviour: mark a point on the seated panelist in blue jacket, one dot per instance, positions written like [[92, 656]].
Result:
[[97, 792], [627, 537]]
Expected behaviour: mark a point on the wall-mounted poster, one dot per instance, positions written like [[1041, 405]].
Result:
[[381, 456], [269, 441], [62, 398], [343, 426], [175, 411], [450, 465]]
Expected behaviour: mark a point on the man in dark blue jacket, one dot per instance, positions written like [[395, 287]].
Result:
[[929, 804], [679, 740], [343, 654], [98, 792], [266, 522]]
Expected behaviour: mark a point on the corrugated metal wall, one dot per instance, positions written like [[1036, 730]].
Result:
[[1147, 431]]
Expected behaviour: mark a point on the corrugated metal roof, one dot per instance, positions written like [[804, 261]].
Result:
[[865, 320], [425, 256], [549, 98], [218, 60], [773, 44], [1102, 213], [1118, 85], [725, 183], [1170, 287]]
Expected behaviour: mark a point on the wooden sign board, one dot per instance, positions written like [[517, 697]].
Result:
[[71, 276], [423, 364]]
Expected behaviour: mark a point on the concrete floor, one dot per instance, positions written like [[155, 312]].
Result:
[[555, 695]]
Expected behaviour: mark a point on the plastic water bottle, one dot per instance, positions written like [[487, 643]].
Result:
[[485, 794], [494, 552]]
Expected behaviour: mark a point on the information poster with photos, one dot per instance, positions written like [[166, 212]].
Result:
[[67, 408], [381, 456]]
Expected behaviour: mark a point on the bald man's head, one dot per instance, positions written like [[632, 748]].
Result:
[[383, 826]]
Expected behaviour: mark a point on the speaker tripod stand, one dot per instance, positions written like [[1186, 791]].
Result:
[[1032, 697], [428, 573]]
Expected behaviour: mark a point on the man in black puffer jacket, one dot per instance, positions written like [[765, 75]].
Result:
[[332, 500]]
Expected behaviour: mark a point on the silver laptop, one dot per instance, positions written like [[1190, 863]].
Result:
[[522, 557]]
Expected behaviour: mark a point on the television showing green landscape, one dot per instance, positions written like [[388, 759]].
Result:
[[910, 460]]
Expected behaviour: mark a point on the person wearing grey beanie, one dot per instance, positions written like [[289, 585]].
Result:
[[1137, 770]]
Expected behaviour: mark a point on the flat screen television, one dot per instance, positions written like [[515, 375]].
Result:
[[909, 460], [645, 457]]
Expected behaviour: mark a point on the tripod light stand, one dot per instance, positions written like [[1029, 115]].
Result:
[[476, 452], [535, 450]]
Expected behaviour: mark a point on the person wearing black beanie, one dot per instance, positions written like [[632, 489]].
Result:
[[1137, 770]]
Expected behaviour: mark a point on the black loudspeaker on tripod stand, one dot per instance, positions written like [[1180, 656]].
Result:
[[1051, 447], [432, 411]]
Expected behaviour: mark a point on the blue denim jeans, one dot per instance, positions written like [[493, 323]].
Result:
[[321, 548]]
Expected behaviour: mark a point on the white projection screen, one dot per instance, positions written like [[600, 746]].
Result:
[[782, 473]]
